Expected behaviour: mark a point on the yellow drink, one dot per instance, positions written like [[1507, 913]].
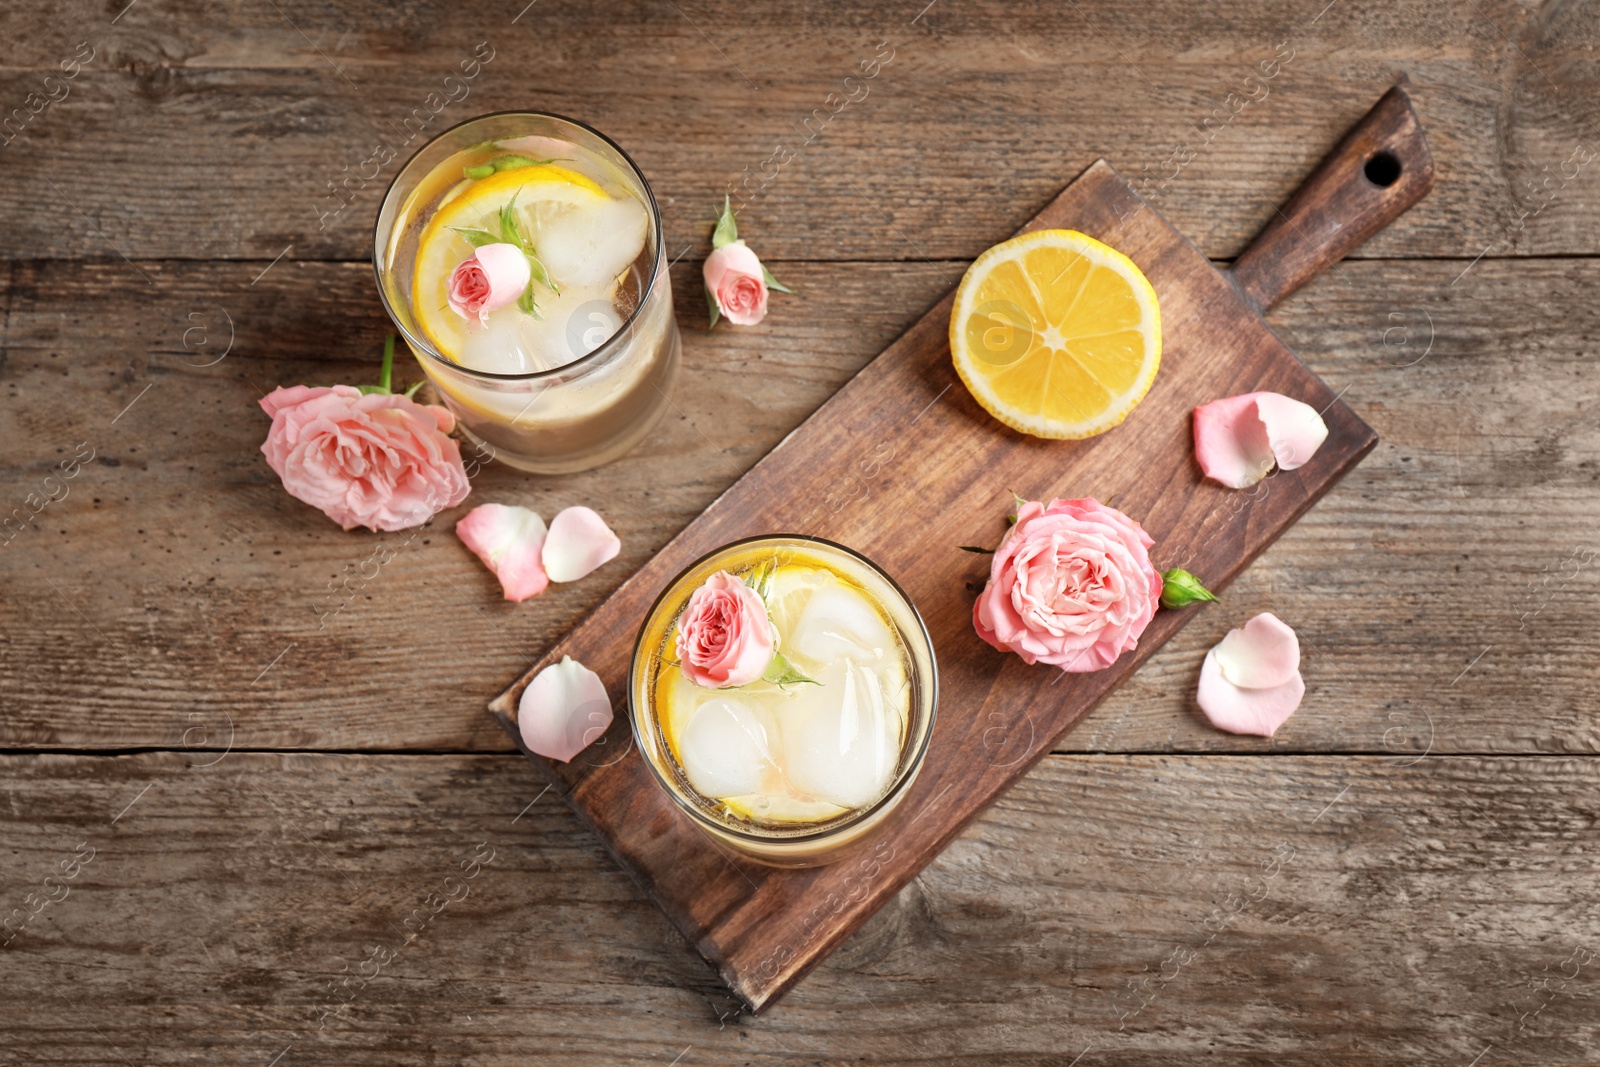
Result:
[[792, 774], [576, 374]]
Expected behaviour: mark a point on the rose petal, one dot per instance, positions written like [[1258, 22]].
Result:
[[1295, 429], [564, 710], [579, 541], [1261, 654], [1231, 443], [1246, 711], [508, 540], [508, 271], [1238, 439]]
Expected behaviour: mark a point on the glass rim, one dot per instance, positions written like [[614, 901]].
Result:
[[861, 814], [594, 356]]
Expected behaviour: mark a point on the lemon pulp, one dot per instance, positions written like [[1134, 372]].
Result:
[[1056, 334]]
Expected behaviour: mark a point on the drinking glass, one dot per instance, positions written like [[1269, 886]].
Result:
[[784, 843], [581, 413]]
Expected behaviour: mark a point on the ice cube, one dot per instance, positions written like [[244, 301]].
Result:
[[575, 323], [568, 325], [725, 749], [838, 621], [589, 244], [841, 739], [499, 346]]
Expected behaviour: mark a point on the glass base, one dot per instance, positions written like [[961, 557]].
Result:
[[647, 411]]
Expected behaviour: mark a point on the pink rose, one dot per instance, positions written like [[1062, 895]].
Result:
[[489, 279], [379, 461], [724, 635], [1071, 585], [735, 280]]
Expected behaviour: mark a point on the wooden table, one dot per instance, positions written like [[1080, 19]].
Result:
[[259, 801]]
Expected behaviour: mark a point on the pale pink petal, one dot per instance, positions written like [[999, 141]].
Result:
[[1230, 441], [579, 541], [564, 710], [443, 417], [509, 541], [508, 272], [1246, 711], [1261, 654], [1295, 429], [734, 256], [1238, 439]]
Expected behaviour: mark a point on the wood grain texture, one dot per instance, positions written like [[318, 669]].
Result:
[[967, 132], [1415, 914], [1441, 591], [888, 470], [1480, 385]]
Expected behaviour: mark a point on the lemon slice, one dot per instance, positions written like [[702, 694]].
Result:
[[537, 191], [1056, 334]]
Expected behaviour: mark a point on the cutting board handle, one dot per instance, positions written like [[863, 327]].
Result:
[[1382, 167]]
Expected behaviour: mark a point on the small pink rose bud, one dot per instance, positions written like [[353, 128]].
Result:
[[492, 277], [735, 280]]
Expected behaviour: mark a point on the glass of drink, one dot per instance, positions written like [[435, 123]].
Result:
[[792, 774], [577, 369]]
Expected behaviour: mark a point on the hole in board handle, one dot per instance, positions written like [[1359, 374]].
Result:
[[1383, 169]]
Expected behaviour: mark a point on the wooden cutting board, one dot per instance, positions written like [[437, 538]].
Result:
[[903, 466]]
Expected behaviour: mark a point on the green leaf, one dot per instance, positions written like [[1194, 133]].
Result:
[[482, 170], [1179, 589], [510, 229], [516, 162], [475, 237], [1016, 504], [727, 230], [781, 672], [711, 303], [975, 548], [411, 390], [527, 304], [368, 390], [537, 271], [773, 283]]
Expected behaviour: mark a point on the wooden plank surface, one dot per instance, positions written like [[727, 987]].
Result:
[[1480, 386], [1441, 591], [1416, 913], [1013, 100]]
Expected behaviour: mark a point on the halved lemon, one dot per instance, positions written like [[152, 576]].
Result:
[[536, 191], [1056, 334]]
